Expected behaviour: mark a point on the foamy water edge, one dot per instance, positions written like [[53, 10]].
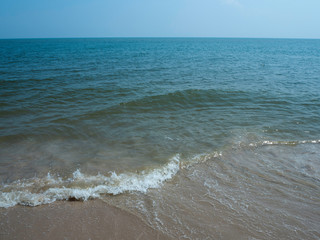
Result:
[[38, 191], [22, 192]]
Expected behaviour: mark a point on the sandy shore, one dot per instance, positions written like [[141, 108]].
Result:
[[73, 220]]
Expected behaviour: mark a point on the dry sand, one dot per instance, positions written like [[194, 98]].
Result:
[[73, 220]]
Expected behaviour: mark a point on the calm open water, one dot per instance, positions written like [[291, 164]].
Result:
[[202, 138]]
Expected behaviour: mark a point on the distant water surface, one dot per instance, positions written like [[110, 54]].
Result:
[[223, 130]]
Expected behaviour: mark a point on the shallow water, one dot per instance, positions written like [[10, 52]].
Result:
[[204, 138], [248, 192]]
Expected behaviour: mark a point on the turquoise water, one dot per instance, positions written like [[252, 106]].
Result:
[[111, 116]]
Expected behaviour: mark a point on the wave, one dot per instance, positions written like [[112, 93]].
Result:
[[38, 191], [231, 100], [171, 101], [292, 143], [204, 157], [185, 98]]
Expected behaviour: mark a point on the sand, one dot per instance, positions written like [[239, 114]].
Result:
[[73, 220]]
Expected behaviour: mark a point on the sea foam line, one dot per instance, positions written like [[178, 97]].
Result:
[[21, 192], [267, 142]]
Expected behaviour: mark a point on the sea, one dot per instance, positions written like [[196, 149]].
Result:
[[202, 138]]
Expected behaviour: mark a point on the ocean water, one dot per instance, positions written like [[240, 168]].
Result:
[[203, 138]]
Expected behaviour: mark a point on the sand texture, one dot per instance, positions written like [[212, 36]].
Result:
[[73, 220]]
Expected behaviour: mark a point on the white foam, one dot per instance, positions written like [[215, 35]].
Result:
[[83, 187], [290, 142]]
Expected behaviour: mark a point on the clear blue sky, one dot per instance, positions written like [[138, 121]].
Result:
[[160, 18]]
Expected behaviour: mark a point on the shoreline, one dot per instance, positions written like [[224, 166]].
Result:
[[93, 219]]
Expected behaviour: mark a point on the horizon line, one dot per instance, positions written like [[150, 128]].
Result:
[[114, 37]]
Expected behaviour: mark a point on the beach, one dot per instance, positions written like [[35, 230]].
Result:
[[146, 138], [73, 220]]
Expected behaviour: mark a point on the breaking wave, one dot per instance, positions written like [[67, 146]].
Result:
[[36, 191]]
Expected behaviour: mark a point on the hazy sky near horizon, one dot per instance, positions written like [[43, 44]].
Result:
[[160, 18]]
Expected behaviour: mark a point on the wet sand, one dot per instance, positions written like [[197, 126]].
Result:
[[73, 220]]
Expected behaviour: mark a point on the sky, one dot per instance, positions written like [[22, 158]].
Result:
[[160, 18]]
